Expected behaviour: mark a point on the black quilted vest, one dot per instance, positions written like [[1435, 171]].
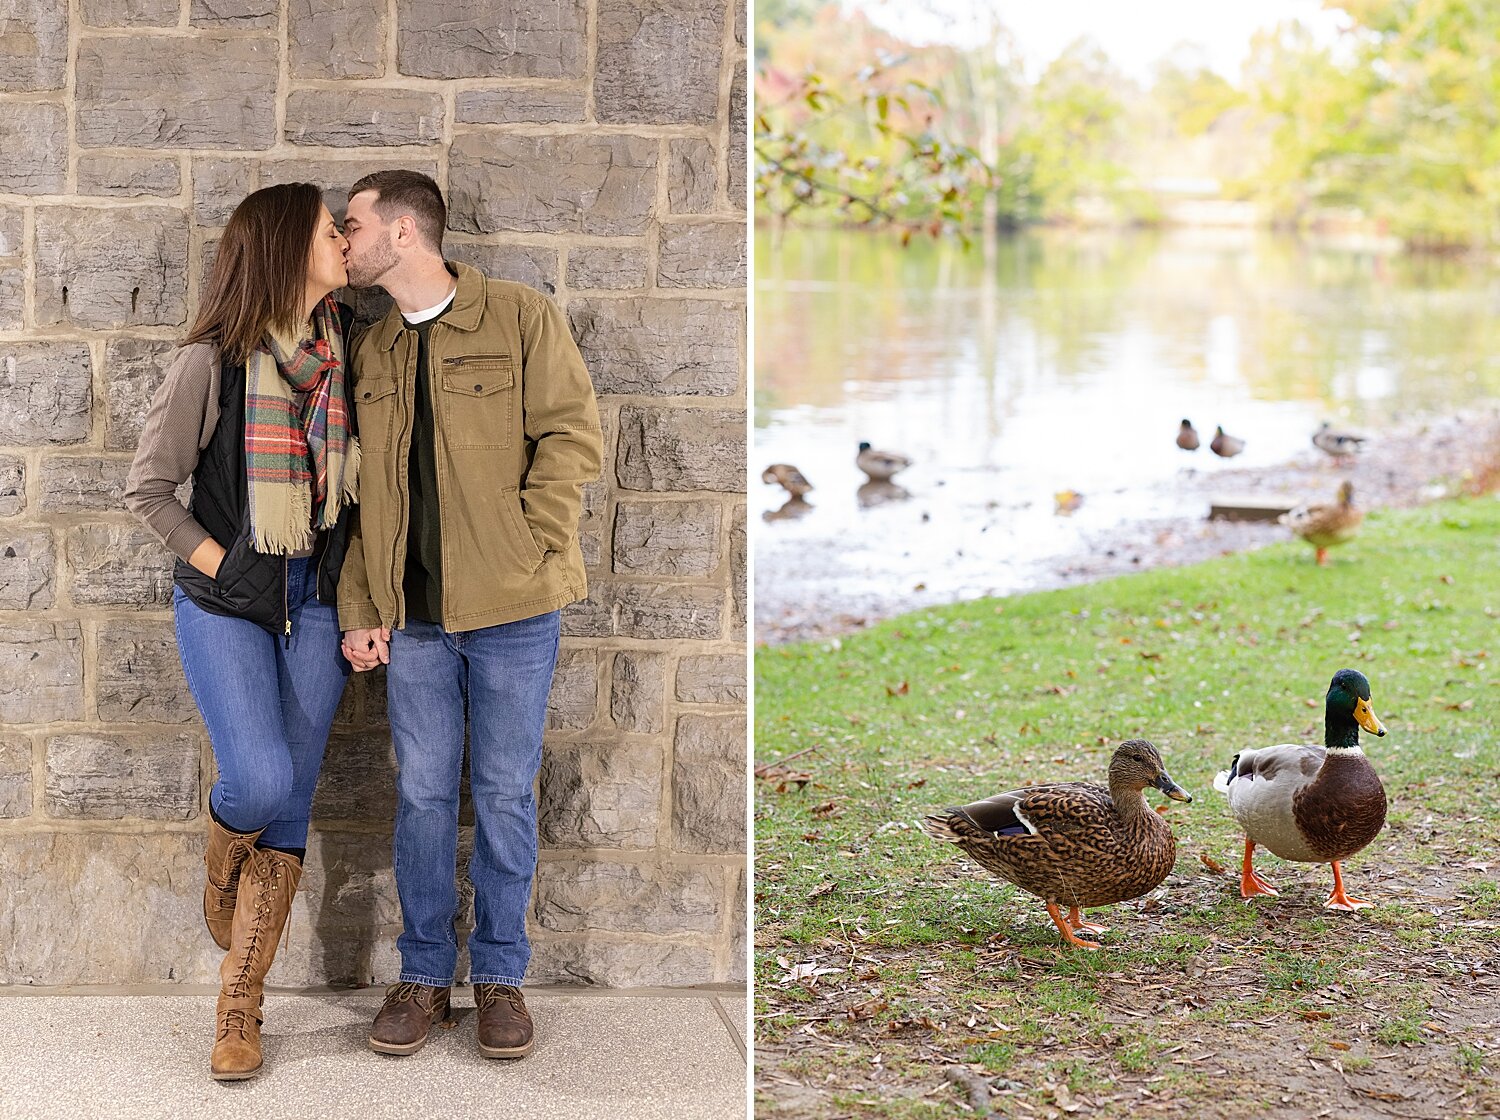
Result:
[[249, 585]]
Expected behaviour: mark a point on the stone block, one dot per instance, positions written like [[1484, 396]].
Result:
[[118, 566], [335, 176], [33, 46], [600, 795], [738, 583], [12, 231], [519, 106], [737, 111], [478, 39], [12, 298], [647, 611], [601, 185], [46, 393], [129, 13], [128, 176], [120, 908], [133, 369], [219, 185], [106, 777], [637, 695], [119, 267], [708, 784], [139, 675], [661, 347], [739, 22], [681, 449], [80, 485], [336, 38], [668, 538], [692, 176], [349, 881], [15, 776], [591, 526], [574, 698], [658, 61], [34, 137], [597, 896], [622, 964], [626, 266], [218, 92], [713, 678], [358, 780], [363, 118], [532, 265], [739, 931], [27, 561], [702, 255], [41, 672], [234, 14], [12, 485]]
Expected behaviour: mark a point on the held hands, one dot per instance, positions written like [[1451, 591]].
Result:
[[367, 648]]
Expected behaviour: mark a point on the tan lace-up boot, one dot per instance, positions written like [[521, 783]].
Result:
[[268, 883], [224, 857]]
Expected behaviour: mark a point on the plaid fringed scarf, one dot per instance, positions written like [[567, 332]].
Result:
[[302, 465]]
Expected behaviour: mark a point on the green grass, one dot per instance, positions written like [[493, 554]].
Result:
[[949, 705]]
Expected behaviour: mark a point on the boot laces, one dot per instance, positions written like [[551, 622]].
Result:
[[405, 991]]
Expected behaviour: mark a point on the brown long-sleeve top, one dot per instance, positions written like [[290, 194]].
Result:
[[179, 424]]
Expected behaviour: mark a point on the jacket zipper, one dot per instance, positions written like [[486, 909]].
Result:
[[286, 606], [403, 458]]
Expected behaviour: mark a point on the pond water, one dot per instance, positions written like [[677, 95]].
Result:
[[1067, 365]]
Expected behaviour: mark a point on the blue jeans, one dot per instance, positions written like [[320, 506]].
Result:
[[502, 675], [267, 707]]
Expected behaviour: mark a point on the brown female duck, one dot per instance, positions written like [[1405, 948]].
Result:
[[1073, 844], [1326, 525], [1311, 804]]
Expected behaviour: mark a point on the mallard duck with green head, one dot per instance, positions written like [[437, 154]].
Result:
[[1311, 804], [880, 466], [1073, 844]]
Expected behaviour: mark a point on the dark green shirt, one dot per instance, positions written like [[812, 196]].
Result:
[[423, 584]]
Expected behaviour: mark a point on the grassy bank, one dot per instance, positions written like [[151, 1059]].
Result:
[[896, 979]]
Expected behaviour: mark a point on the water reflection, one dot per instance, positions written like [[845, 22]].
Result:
[[1068, 367]]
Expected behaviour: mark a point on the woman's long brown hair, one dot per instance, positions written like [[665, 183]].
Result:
[[259, 278]]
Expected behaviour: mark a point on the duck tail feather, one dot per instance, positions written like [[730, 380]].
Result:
[[1224, 777], [952, 826]]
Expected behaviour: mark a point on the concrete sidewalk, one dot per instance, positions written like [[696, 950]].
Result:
[[653, 1055]]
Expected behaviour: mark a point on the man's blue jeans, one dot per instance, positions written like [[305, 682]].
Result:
[[502, 675], [267, 705]]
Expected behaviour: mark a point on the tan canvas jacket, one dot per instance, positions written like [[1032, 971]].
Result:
[[517, 436]]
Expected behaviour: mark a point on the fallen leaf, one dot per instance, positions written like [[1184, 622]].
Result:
[[1209, 862], [827, 809], [1339, 1045], [820, 890], [1313, 1016], [900, 690]]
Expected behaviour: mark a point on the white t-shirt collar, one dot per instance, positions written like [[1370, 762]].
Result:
[[413, 318]]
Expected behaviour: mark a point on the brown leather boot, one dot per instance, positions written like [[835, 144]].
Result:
[[268, 882], [224, 857], [405, 1018], [504, 1022]]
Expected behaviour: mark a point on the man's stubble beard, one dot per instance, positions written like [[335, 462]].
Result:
[[366, 271]]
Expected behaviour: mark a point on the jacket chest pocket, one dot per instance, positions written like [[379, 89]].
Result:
[[375, 406], [478, 401]]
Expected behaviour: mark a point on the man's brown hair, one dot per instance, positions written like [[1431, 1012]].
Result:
[[408, 192], [259, 278]]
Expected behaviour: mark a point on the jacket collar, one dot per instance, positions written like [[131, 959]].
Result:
[[464, 315]]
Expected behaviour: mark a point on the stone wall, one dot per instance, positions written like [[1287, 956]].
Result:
[[590, 148]]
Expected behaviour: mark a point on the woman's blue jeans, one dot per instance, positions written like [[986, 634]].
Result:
[[501, 676], [267, 706]]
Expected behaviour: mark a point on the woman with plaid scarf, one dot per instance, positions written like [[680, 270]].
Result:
[[254, 409]]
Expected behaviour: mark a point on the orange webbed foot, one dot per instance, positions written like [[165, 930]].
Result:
[[1339, 900], [1252, 884], [1075, 919], [1068, 934]]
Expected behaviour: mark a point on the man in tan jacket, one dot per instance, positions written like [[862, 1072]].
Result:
[[479, 429]]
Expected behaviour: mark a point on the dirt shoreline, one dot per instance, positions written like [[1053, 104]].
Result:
[[1410, 464]]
